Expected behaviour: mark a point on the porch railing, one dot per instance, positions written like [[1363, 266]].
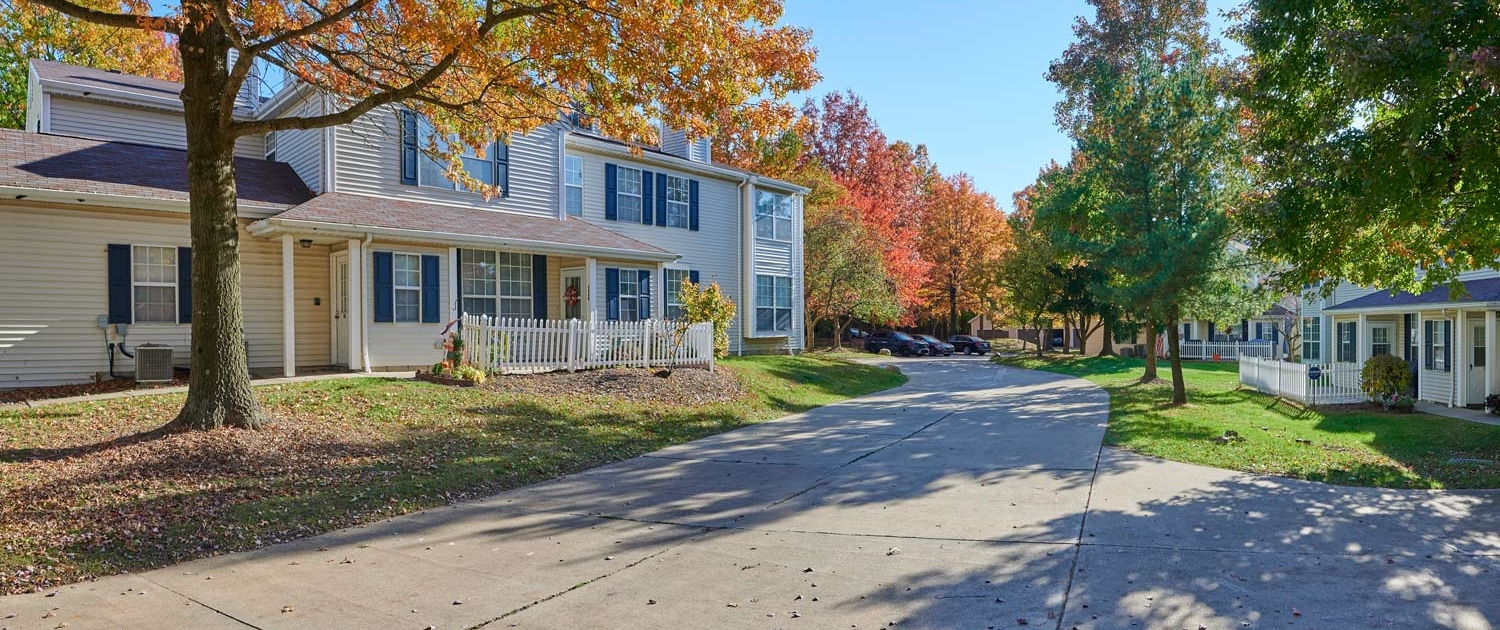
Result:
[[1331, 384], [510, 346], [1225, 350]]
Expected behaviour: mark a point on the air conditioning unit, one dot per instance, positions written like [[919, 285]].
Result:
[[1127, 351], [153, 363]]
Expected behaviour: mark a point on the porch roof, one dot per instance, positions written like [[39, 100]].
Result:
[[1475, 293], [334, 214]]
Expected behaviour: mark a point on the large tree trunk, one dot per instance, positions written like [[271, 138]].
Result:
[[1150, 374], [219, 393], [1107, 348], [1179, 388]]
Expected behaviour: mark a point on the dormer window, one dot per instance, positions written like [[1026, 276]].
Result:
[[420, 169]]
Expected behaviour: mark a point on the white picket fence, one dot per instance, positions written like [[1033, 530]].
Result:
[[1335, 383], [1225, 350], [511, 346]]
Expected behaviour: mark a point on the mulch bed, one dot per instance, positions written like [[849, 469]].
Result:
[[83, 389], [684, 386]]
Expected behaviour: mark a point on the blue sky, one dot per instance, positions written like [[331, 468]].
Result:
[[963, 77]]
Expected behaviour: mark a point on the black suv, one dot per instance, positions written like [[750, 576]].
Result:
[[899, 343], [969, 344]]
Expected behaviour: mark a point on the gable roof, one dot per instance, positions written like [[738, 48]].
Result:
[[1476, 291], [417, 220], [116, 86], [121, 172]]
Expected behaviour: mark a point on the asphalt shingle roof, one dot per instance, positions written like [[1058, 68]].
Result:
[[80, 165], [1484, 290]]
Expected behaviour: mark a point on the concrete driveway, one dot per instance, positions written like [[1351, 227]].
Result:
[[975, 496]]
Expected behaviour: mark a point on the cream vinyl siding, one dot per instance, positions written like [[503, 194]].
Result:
[[55, 286], [85, 118], [368, 161], [302, 149], [405, 344]]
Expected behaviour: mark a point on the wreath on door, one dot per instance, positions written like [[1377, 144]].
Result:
[[570, 296]]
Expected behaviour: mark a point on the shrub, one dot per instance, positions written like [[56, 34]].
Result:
[[469, 372], [1384, 376], [709, 305]]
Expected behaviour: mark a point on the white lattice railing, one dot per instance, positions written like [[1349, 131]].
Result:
[[504, 345], [1330, 384]]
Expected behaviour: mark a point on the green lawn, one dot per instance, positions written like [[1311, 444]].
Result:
[[1361, 448], [83, 494]]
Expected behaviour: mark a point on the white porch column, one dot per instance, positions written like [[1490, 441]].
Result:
[[1362, 341], [1420, 334], [590, 283], [288, 306], [1489, 353], [356, 305], [1459, 370], [455, 305]]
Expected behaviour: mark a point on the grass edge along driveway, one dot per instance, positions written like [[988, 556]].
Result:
[[82, 495], [1356, 447]]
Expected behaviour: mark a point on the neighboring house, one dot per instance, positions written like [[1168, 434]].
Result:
[[356, 250], [1450, 342]]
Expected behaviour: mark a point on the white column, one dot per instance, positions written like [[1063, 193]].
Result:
[[356, 319], [288, 306], [659, 292], [1489, 353], [590, 281], [1420, 335], [1459, 370], [1362, 341], [455, 300]]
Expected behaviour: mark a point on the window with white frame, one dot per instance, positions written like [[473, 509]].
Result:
[[1380, 339], [675, 278], [630, 295], [773, 303], [154, 280], [1436, 333], [573, 185], [677, 201], [1312, 339], [628, 194], [515, 285], [407, 282], [773, 216], [477, 281], [491, 169]]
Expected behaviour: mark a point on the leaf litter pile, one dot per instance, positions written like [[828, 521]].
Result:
[[85, 491]]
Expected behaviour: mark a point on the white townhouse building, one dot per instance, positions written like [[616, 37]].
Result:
[[1449, 340], [357, 251]]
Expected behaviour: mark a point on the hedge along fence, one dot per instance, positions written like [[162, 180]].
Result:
[[509, 346]]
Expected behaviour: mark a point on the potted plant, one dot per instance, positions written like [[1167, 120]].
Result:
[[1400, 403], [1492, 404]]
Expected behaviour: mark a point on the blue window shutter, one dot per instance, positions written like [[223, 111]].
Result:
[[184, 285], [1260, 330], [385, 287], [502, 167], [661, 199], [1447, 346], [611, 202], [612, 294], [409, 155], [1427, 338], [645, 294], [1244, 330], [693, 205], [647, 193], [430, 290], [1213, 330], [539, 286], [119, 275], [693, 276]]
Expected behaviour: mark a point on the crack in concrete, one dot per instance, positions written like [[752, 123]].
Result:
[[198, 602]]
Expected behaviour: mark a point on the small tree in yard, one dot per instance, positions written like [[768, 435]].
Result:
[[479, 70], [710, 304]]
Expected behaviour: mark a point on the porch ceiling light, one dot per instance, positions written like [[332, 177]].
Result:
[[305, 243]]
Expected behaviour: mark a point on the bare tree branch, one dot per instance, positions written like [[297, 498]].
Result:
[[309, 28], [117, 20]]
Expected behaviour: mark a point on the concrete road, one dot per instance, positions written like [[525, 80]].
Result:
[[975, 496]]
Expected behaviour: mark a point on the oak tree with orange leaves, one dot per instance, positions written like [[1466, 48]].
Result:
[[963, 237], [480, 70]]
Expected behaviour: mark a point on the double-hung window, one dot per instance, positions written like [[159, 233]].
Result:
[[675, 278], [1312, 339], [407, 283], [630, 295], [1436, 333], [492, 169], [773, 216], [628, 194], [1348, 351], [495, 283], [677, 201], [773, 303], [1380, 339], [154, 284], [573, 185]]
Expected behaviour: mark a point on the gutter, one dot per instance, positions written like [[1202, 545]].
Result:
[[267, 227], [130, 202]]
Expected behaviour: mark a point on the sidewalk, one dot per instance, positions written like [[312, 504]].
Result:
[[178, 389], [1460, 413]]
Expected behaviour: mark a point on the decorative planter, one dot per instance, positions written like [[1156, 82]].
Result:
[[444, 380]]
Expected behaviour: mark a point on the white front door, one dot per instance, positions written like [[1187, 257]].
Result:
[[574, 295], [1475, 354], [341, 309]]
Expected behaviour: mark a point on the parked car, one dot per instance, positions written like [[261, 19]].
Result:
[[1057, 339], [969, 344], [938, 345], [899, 343]]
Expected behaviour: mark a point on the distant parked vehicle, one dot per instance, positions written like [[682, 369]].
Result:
[[899, 343], [938, 345], [969, 344], [1057, 339]]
